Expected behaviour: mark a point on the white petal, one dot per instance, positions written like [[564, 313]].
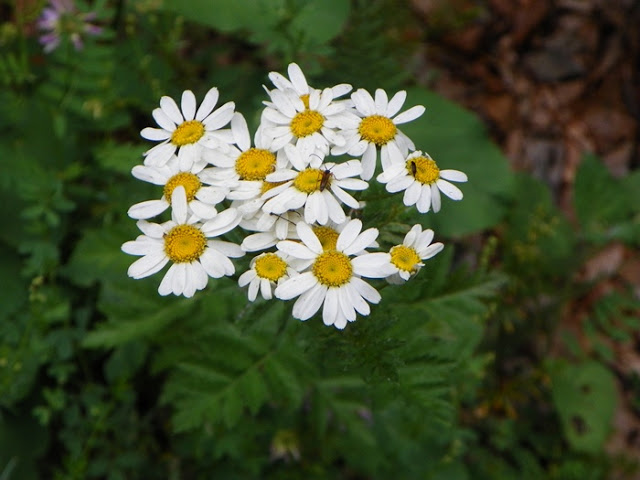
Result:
[[208, 104], [152, 230], [409, 115], [155, 134], [297, 79], [424, 202], [240, 131], [360, 305], [367, 292], [431, 251], [396, 102], [330, 310], [148, 265], [309, 302], [143, 246], [349, 234], [424, 238], [165, 287], [296, 249], [449, 189], [169, 107], [246, 277], [188, 105], [345, 303], [369, 162], [179, 205], [214, 263], [222, 223], [343, 196], [364, 240], [381, 101], [202, 210], [453, 175], [435, 198], [163, 120], [295, 286], [220, 117], [148, 209], [305, 232], [253, 290], [373, 265], [412, 194], [228, 249]]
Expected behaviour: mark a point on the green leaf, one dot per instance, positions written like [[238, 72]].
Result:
[[456, 139], [319, 21], [600, 201], [229, 15], [13, 293], [585, 398]]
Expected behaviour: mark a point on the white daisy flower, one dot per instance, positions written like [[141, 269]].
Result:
[[422, 181], [298, 83], [192, 249], [202, 195], [267, 270], [334, 275], [246, 166], [377, 128], [186, 130], [312, 125], [406, 258], [318, 190]]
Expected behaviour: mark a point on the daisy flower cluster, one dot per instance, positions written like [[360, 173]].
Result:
[[291, 190]]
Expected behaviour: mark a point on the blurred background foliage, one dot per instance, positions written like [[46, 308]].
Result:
[[467, 372]]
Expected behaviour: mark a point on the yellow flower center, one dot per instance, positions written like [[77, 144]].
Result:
[[184, 243], [405, 258], [306, 123], [332, 268], [305, 100], [328, 237], [309, 180], [187, 133], [255, 164], [377, 129], [189, 181], [271, 267], [423, 169], [266, 186]]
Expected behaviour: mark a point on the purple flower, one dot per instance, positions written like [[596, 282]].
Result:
[[61, 19]]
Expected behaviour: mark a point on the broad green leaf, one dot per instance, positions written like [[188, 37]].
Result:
[[319, 21], [229, 15], [585, 397]]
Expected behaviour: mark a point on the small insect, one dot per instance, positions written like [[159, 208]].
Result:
[[414, 168], [325, 179]]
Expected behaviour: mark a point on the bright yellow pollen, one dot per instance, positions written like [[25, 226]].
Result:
[[426, 170], [271, 267], [255, 164], [184, 243], [332, 268], [305, 100], [405, 258], [309, 180], [266, 186], [328, 237], [377, 129], [187, 133], [306, 123], [189, 181]]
